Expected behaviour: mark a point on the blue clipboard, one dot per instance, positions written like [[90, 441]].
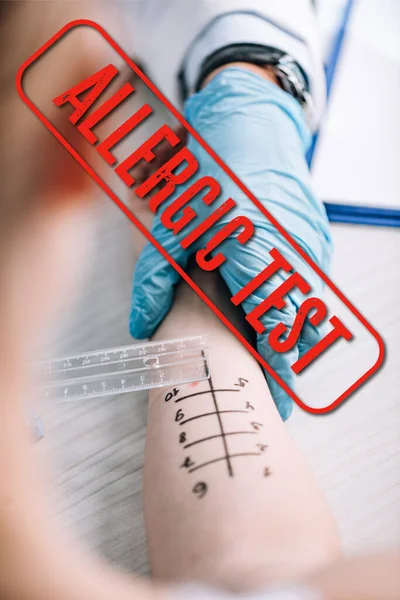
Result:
[[349, 213]]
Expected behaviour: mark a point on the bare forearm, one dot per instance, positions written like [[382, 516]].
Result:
[[363, 577], [38, 561], [229, 499]]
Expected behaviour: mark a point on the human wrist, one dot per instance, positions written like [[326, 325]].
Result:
[[266, 72], [189, 312]]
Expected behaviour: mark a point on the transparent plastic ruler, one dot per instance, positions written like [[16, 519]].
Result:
[[133, 368]]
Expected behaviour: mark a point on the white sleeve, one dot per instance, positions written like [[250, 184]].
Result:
[[165, 33]]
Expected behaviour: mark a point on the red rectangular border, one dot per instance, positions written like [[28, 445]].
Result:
[[147, 234]]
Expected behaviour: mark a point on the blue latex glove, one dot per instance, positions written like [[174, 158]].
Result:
[[260, 132]]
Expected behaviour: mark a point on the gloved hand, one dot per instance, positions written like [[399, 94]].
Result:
[[260, 132]]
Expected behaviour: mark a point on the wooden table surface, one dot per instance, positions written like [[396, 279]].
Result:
[[97, 446]]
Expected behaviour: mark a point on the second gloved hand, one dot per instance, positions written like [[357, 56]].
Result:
[[260, 132]]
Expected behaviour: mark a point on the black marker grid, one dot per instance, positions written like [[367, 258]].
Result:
[[223, 434]]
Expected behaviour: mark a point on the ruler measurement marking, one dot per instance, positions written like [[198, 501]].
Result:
[[205, 392], [88, 375], [212, 437], [217, 412], [199, 339], [221, 426], [210, 462]]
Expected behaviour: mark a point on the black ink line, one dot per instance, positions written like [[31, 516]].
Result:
[[218, 412], [207, 370], [210, 462], [206, 392], [221, 426], [211, 437]]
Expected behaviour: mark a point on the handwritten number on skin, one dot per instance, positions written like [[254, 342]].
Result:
[[256, 426], [171, 395], [241, 382], [179, 415], [187, 463], [200, 489]]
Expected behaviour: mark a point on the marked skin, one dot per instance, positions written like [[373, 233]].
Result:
[[41, 221], [229, 499]]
